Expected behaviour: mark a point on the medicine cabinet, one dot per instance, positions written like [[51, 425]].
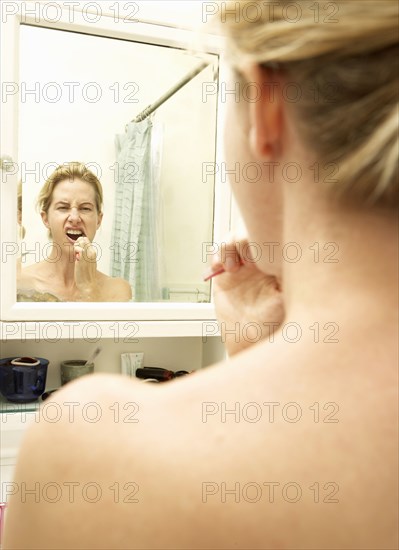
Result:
[[72, 82]]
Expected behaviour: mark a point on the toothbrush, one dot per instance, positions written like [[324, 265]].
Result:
[[208, 276], [93, 355]]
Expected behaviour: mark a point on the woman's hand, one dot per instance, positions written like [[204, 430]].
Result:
[[249, 303], [86, 270]]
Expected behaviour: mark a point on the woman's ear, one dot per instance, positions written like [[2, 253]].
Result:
[[45, 218], [265, 112], [100, 219]]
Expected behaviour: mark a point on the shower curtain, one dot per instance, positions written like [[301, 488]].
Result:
[[135, 241]]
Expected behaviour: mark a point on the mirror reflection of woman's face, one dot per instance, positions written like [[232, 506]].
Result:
[[72, 212]]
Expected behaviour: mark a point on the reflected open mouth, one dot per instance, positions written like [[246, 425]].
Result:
[[74, 234]]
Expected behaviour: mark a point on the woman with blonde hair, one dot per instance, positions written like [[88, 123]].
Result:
[[70, 205], [292, 442]]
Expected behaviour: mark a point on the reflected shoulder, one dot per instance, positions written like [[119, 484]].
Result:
[[29, 275], [115, 289], [33, 269]]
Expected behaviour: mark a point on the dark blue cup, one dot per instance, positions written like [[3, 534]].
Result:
[[23, 379]]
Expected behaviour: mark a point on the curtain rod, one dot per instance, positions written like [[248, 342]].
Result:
[[151, 108]]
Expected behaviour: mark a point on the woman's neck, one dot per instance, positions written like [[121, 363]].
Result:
[[62, 264], [348, 264]]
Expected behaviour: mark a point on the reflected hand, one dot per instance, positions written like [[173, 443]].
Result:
[[249, 303], [86, 269]]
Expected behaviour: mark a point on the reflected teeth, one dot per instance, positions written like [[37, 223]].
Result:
[[74, 232]]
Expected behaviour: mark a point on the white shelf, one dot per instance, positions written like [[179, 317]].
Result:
[[118, 331]]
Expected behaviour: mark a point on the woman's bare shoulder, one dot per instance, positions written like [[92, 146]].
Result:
[[114, 289], [231, 450], [32, 284], [33, 275], [37, 269]]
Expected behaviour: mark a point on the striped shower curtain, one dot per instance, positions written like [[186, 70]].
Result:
[[135, 240]]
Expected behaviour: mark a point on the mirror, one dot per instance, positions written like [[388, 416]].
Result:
[[78, 92]]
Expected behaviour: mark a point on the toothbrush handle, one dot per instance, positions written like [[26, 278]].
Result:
[[213, 274], [93, 356], [218, 272]]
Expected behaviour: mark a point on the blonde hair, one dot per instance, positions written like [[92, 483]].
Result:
[[347, 52], [22, 231], [70, 171]]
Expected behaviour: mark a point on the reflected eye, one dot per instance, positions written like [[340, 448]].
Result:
[[62, 208], [86, 209]]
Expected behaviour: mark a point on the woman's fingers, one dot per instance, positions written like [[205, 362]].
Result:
[[230, 255], [86, 269], [84, 250]]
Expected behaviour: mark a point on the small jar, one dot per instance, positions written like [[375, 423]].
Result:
[[75, 368]]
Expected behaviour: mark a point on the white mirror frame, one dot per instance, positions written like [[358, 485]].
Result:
[[10, 309]]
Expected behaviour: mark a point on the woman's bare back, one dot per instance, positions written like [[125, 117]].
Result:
[[284, 443]]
